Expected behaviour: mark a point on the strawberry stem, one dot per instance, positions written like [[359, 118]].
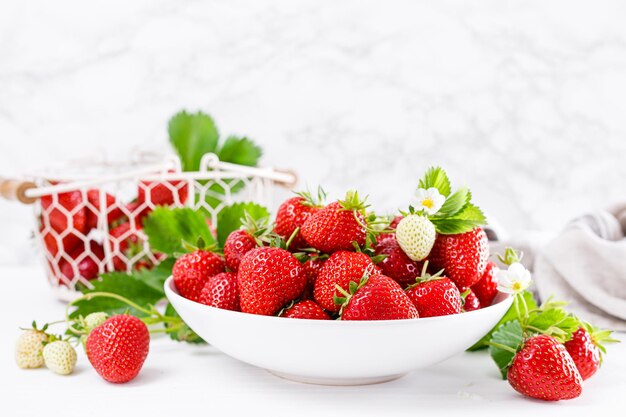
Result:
[[501, 346]]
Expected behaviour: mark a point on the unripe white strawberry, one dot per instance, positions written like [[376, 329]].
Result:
[[60, 357], [416, 236], [29, 348], [94, 320]]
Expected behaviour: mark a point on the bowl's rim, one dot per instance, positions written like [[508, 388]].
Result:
[[171, 291]]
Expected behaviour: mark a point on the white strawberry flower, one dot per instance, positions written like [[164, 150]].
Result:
[[513, 280], [429, 200]]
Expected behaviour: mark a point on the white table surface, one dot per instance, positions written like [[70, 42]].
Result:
[[181, 378]]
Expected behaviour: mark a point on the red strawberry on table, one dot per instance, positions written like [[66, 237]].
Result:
[[376, 297], [339, 269], [221, 291], [463, 256], [338, 226], [238, 243], [268, 278], [192, 271], [64, 211], [585, 347], [112, 209], [291, 215], [397, 265], [306, 309], [544, 370], [487, 288], [434, 295], [118, 348]]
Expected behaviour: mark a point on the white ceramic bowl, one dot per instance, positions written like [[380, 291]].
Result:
[[337, 352]]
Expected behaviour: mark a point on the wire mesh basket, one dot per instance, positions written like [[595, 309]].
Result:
[[86, 225]]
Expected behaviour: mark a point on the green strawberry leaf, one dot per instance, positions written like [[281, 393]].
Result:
[[511, 314], [192, 135], [119, 283], [184, 332], [455, 203], [240, 151], [462, 222], [555, 322], [230, 218], [173, 230], [436, 177], [508, 335], [155, 277]]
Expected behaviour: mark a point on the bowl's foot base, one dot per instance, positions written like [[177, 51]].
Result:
[[337, 381]]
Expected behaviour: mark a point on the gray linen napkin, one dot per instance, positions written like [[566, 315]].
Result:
[[584, 265]]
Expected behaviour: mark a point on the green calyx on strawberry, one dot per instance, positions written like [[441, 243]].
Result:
[[434, 295]]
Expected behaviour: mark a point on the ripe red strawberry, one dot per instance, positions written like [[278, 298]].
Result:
[[312, 267], [487, 288], [392, 226], [268, 278], [221, 291], [118, 348], [335, 227], [341, 268], [306, 309], [291, 215], [87, 263], [376, 297], [463, 257], [470, 300], [586, 348], [434, 295], [397, 265], [584, 352], [192, 271], [112, 210], [163, 193], [67, 212], [237, 244], [543, 369]]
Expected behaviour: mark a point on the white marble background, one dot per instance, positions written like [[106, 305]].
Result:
[[524, 101]]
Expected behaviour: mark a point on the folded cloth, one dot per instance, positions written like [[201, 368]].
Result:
[[586, 266]]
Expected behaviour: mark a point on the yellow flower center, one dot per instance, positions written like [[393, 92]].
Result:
[[517, 286], [427, 202]]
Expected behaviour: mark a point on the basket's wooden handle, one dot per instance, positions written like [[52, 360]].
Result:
[[287, 184], [11, 189]]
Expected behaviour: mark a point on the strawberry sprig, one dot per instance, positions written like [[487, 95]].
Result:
[[457, 214], [526, 319]]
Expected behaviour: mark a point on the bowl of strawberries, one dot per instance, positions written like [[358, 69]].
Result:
[[334, 294]]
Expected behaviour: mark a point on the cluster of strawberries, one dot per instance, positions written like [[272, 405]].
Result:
[[337, 262], [68, 219]]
